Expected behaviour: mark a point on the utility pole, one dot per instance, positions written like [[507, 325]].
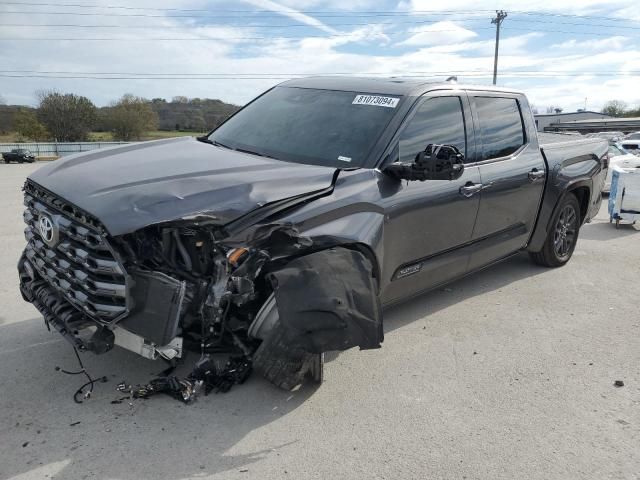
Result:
[[500, 16]]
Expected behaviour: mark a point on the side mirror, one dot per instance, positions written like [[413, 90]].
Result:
[[436, 162]]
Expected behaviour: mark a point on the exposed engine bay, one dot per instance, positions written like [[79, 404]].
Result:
[[269, 298]]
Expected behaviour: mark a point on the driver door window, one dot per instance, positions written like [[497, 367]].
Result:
[[438, 120]]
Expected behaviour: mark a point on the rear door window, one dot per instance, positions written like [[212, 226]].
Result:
[[440, 121], [501, 126]]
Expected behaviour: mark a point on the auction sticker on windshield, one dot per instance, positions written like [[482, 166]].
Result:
[[376, 100]]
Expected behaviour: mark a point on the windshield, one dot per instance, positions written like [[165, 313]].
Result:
[[614, 151], [316, 127]]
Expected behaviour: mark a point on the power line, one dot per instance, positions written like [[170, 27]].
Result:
[[277, 37], [285, 76], [199, 39], [569, 15], [430, 72], [315, 12], [320, 12], [147, 15], [135, 27], [574, 23], [473, 15]]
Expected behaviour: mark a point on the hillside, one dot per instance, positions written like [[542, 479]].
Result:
[[181, 113], [196, 114]]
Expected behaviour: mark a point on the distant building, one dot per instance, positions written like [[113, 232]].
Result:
[[612, 124], [545, 119]]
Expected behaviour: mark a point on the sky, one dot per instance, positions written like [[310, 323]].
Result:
[[568, 54]]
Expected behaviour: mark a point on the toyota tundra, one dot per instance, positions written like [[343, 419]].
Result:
[[284, 232]]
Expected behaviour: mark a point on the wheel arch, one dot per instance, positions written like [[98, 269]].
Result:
[[583, 194], [581, 188]]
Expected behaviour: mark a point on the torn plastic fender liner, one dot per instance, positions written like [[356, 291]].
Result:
[[327, 301]]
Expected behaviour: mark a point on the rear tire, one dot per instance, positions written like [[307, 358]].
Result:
[[562, 237]]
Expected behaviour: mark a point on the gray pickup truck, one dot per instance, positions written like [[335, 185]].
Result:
[[284, 232]]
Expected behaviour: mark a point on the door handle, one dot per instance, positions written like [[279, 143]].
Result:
[[470, 189], [535, 175]]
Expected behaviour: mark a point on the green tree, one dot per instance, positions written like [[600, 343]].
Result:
[[615, 108], [26, 123], [632, 112], [130, 117], [68, 117]]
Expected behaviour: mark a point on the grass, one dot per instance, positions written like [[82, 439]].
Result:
[[152, 135], [8, 137], [12, 137]]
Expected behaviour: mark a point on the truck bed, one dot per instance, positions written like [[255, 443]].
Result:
[[557, 139]]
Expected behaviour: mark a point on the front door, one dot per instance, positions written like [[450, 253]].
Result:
[[427, 222]]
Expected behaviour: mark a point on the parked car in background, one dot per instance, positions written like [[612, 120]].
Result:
[[632, 136], [618, 157], [19, 155], [630, 146], [611, 136]]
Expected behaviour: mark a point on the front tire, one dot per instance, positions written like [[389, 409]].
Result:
[[562, 237], [277, 361]]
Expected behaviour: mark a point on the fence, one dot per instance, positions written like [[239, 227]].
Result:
[[55, 149]]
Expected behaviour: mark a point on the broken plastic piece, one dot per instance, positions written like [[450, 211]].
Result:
[[205, 375]]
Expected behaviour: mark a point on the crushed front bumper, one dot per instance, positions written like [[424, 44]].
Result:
[[82, 331]]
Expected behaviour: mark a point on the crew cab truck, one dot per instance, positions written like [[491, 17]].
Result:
[[19, 155], [285, 232]]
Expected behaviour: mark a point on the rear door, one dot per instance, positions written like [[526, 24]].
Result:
[[428, 222], [513, 175]]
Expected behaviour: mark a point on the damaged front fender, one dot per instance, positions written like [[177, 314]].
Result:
[[323, 301], [327, 300]]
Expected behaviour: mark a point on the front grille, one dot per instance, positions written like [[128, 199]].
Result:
[[81, 264]]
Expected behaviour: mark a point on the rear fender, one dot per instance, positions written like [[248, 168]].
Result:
[[548, 211]]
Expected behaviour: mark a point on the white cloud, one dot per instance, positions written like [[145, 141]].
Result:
[[509, 45], [366, 48], [439, 33], [584, 7], [612, 43], [291, 13]]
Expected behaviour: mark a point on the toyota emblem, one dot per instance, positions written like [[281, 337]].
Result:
[[47, 229]]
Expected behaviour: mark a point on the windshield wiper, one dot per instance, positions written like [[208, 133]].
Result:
[[243, 150], [213, 142], [251, 152]]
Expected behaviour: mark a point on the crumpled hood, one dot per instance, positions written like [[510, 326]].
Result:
[[133, 186]]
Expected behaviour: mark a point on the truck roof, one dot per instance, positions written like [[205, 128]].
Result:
[[390, 85]]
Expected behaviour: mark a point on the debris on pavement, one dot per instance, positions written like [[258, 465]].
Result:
[[206, 376]]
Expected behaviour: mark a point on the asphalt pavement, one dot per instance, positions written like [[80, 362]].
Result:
[[507, 374]]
